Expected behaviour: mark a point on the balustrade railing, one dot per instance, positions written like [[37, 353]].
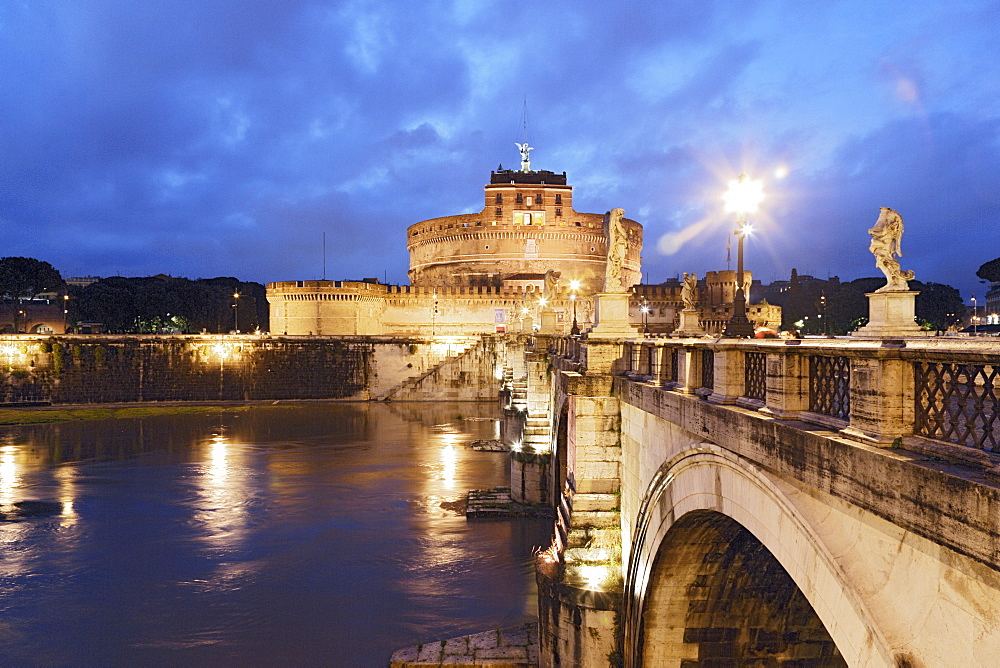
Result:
[[668, 365], [830, 386], [860, 386], [707, 368], [754, 376], [957, 402]]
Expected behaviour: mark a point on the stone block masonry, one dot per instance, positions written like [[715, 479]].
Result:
[[123, 369]]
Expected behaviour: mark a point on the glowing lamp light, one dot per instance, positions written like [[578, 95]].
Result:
[[542, 301], [744, 195], [574, 285], [593, 576]]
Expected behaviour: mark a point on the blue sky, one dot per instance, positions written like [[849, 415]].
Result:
[[224, 138]]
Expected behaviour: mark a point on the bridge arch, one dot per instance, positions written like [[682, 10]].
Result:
[[710, 530]]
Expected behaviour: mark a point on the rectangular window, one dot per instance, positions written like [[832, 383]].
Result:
[[558, 212], [538, 199], [519, 199], [498, 211], [499, 198], [558, 199]]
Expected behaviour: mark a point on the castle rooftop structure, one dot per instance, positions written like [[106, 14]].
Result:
[[527, 226]]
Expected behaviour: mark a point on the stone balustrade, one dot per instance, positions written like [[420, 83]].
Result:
[[937, 396]]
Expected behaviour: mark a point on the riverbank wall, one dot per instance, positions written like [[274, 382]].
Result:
[[93, 369]]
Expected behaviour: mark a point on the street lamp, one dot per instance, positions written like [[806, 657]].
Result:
[[645, 316], [574, 286], [975, 316], [743, 197], [236, 311], [65, 313]]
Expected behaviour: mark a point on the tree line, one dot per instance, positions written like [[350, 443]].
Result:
[[143, 305]]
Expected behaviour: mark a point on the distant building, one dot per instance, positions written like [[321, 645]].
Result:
[[82, 281]]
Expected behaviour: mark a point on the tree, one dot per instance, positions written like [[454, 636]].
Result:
[[147, 305], [990, 271], [939, 305], [25, 277]]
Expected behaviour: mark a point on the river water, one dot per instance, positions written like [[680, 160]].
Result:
[[281, 535]]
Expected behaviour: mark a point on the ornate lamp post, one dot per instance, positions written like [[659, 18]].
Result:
[[236, 311], [574, 286], [743, 197]]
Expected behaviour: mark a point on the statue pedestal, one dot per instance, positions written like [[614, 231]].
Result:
[[611, 316], [689, 324], [548, 322], [527, 325], [890, 315]]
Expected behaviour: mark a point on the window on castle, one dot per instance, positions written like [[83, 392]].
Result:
[[519, 199], [538, 199], [558, 212], [499, 211], [529, 201], [558, 199], [499, 198]]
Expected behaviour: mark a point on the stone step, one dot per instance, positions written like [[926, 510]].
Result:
[[596, 519], [595, 502]]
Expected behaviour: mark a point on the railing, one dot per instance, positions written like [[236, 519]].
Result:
[[707, 368], [958, 403], [922, 393], [668, 365], [830, 386], [754, 376]]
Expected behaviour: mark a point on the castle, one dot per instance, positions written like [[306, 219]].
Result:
[[527, 260]]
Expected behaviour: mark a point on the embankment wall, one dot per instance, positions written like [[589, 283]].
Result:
[[121, 369]]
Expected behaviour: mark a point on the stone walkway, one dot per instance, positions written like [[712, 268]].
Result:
[[516, 647], [487, 504]]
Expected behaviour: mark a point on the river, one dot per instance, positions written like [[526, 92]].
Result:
[[298, 534]]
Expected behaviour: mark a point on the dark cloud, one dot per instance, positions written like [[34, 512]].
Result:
[[221, 138]]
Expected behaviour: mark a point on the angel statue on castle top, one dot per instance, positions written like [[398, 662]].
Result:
[[525, 160]]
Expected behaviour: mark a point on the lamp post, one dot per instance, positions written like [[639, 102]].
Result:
[[743, 197], [236, 311], [574, 286], [434, 313], [975, 317], [65, 313], [645, 316], [822, 310]]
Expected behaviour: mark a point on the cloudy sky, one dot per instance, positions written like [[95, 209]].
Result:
[[200, 138]]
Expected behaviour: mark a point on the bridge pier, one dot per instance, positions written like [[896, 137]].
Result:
[[727, 503]]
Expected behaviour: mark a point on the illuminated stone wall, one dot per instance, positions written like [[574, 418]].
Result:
[[114, 369]]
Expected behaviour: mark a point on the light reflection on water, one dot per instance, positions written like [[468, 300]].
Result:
[[286, 534]]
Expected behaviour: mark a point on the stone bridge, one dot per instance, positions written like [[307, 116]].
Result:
[[817, 502]]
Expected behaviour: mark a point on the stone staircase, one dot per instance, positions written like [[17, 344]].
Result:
[[415, 387]]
